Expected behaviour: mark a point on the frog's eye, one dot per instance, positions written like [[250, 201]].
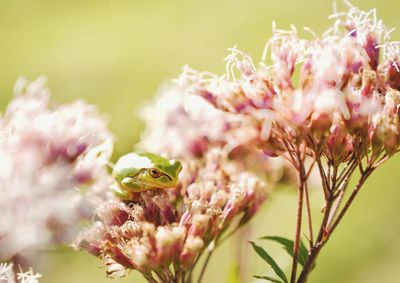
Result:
[[154, 173]]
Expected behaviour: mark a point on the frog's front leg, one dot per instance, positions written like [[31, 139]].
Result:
[[121, 193], [132, 185]]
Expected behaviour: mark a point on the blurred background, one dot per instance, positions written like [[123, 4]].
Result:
[[116, 54]]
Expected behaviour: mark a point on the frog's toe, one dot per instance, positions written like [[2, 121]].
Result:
[[121, 194]]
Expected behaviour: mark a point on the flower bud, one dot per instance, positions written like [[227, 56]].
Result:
[[191, 250], [169, 242]]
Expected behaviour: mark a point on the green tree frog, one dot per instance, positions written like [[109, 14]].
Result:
[[138, 172]]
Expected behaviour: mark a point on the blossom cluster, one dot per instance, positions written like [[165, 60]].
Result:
[[181, 128], [172, 228], [167, 229], [52, 169], [332, 98], [335, 94], [224, 180], [330, 101], [187, 127]]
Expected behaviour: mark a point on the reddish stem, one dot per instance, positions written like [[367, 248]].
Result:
[[296, 245], [325, 231]]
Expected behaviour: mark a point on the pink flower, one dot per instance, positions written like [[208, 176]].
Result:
[[182, 124], [172, 228], [343, 84], [48, 154]]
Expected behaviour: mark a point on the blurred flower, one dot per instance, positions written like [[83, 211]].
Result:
[[186, 127], [181, 127], [8, 274], [52, 169]]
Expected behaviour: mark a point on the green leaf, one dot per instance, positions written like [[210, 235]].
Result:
[[288, 246], [268, 259], [268, 278]]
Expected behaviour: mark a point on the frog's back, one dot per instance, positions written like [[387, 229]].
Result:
[[131, 164], [170, 167]]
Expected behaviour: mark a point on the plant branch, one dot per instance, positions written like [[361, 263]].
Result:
[[309, 217], [338, 199], [326, 230], [320, 242], [360, 183], [346, 173], [325, 185], [300, 194], [310, 169], [211, 249], [150, 277]]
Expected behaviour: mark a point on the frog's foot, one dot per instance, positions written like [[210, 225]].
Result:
[[120, 193]]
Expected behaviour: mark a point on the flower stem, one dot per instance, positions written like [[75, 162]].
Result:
[[321, 240], [149, 277], [203, 268], [325, 231], [300, 196], [362, 180], [309, 218]]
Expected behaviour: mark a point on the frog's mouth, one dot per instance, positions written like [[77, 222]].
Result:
[[160, 185]]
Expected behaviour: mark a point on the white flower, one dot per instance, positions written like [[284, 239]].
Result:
[[7, 274]]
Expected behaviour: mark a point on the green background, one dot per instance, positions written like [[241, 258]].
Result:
[[116, 54]]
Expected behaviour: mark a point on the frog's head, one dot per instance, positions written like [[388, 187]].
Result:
[[147, 169]]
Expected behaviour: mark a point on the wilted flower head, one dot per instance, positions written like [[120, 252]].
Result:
[[53, 168]]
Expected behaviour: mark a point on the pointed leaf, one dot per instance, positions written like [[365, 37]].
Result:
[[268, 259], [288, 246], [271, 279]]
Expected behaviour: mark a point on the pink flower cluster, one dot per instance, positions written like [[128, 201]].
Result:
[[334, 94], [183, 124], [331, 99], [164, 232], [52, 169], [220, 184], [186, 127]]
